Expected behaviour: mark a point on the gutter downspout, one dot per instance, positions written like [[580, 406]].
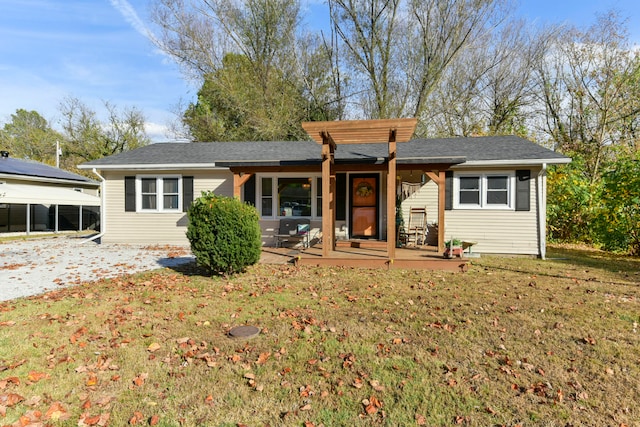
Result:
[[542, 211], [102, 209]]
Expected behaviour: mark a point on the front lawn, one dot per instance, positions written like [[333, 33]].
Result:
[[511, 342]]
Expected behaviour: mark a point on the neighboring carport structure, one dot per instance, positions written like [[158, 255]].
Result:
[[38, 197]]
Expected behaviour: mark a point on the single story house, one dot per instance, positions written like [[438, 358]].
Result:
[[38, 197], [489, 190]]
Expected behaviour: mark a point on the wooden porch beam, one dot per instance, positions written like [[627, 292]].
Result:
[[239, 179], [433, 176], [327, 139]]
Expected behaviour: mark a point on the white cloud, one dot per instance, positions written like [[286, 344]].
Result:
[[156, 131], [131, 16]]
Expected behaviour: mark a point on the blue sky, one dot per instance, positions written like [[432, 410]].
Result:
[[96, 50]]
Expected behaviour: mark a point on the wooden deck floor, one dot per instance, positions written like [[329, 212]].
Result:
[[372, 255]]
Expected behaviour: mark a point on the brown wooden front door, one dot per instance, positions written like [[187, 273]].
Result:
[[364, 193]]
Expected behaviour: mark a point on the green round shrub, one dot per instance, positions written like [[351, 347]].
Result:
[[224, 233]]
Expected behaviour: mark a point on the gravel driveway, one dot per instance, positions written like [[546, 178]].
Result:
[[34, 266]]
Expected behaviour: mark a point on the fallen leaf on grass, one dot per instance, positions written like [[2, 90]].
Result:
[[10, 399], [92, 379], [306, 391], [36, 376], [371, 405], [33, 401], [16, 364], [376, 385], [153, 347], [136, 418], [80, 332], [95, 420], [29, 419], [582, 395], [57, 412], [104, 401], [10, 380], [140, 379], [262, 358]]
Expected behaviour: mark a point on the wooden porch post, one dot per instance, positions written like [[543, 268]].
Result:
[[328, 191], [439, 178], [441, 203], [391, 197], [239, 179]]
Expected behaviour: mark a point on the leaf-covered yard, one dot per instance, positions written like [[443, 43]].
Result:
[[510, 342]]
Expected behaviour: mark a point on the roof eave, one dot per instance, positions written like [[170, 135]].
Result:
[[450, 160], [513, 162], [264, 163], [152, 166]]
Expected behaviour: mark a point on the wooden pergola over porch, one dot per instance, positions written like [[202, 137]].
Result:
[[390, 131], [330, 136]]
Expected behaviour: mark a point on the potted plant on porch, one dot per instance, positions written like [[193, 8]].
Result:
[[453, 248]]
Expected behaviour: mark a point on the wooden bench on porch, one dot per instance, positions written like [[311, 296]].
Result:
[[293, 230]]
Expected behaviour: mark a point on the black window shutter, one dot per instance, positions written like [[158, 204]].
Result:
[[250, 190], [341, 196], [523, 189], [187, 192], [129, 193], [448, 190]]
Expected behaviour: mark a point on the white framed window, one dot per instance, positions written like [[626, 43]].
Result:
[[488, 190], [159, 193], [289, 195], [266, 196], [318, 190]]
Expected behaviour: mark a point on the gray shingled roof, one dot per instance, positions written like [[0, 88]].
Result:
[[487, 148], [29, 168], [272, 153]]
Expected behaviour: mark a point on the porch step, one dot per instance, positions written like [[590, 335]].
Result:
[[458, 265], [361, 243]]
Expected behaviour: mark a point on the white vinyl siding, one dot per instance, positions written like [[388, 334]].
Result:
[[149, 227], [497, 231]]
